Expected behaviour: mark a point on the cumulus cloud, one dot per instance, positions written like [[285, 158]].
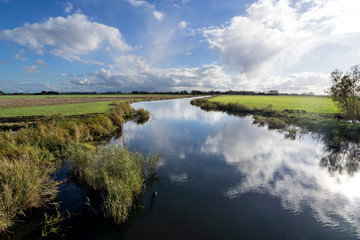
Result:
[[281, 37], [69, 37], [158, 15], [31, 69], [183, 24], [134, 73], [297, 82]]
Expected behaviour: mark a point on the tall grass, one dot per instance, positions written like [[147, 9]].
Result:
[[25, 183], [115, 172], [30, 156]]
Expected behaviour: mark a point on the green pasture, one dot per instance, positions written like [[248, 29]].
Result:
[[74, 96], [315, 104], [65, 109]]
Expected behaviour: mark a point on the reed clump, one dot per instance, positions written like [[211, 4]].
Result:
[[25, 183], [115, 172], [30, 156]]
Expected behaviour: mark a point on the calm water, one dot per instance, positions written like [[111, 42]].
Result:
[[221, 177]]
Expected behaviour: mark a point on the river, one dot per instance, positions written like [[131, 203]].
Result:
[[222, 177]]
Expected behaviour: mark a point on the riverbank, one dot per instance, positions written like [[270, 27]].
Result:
[[331, 127], [310, 104], [30, 156]]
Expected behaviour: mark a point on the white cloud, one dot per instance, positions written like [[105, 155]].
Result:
[[187, 53], [183, 24], [134, 73], [137, 3], [158, 15], [298, 83], [31, 69], [278, 38], [68, 7], [69, 37], [19, 56]]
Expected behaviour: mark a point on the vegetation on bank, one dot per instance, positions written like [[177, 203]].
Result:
[[310, 104], [129, 96], [345, 91], [68, 105], [66, 109], [30, 156], [331, 127]]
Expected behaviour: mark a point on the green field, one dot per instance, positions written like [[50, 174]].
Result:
[[68, 109], [44, 105], [308, 103], [80, 96]]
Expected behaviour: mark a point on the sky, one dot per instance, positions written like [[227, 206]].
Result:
[[172, 45]]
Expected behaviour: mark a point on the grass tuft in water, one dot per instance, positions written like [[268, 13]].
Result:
[[114, 171]]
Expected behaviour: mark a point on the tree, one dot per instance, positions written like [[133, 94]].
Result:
[[345, 91], [274, 92]]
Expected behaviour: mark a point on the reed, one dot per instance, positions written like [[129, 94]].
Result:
[[30, 156], [115, 172]]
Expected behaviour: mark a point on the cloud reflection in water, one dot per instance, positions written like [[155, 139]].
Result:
[[288, 170]]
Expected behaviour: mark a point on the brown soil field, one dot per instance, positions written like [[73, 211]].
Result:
[[31, 102]]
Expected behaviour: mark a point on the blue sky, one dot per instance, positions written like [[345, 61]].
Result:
[[171, 45]]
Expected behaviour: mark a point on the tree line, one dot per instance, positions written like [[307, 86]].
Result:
[[345, 91]]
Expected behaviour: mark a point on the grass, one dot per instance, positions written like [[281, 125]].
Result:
[[115, 172], [85, 96], [66, 110], [329, 126], [310, 104], [30, 156], [67, 105]]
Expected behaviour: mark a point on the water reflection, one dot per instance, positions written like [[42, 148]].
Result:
[[344, 159], [218, 162], [291, 171]]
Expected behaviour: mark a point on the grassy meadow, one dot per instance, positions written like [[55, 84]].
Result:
[[311, 104], [64, 109], [318, 115], [67, 105]]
